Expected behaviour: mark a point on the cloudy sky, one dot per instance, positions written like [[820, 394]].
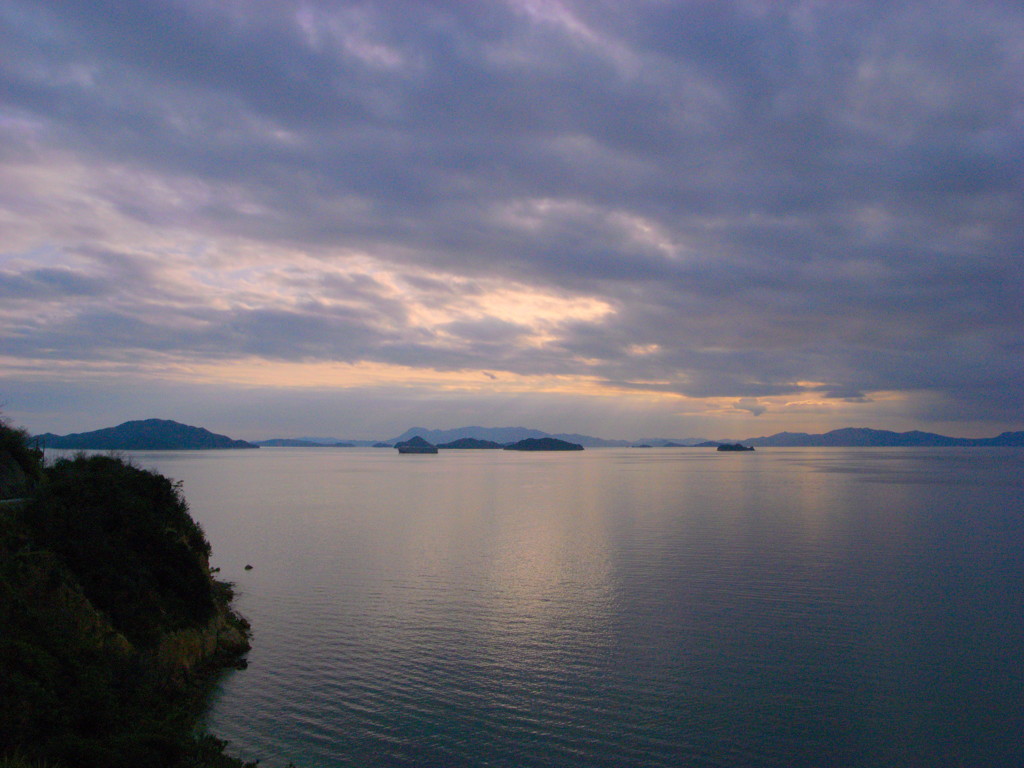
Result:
[[649, 218]]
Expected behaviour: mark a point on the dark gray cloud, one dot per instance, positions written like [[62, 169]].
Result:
[[791, 198], [48, 283]]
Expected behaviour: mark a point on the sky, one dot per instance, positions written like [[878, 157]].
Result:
[[283, 218]]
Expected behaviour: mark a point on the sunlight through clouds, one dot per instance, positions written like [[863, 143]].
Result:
[[771, 215]]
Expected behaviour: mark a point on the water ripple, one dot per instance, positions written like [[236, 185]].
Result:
[[612, 609]]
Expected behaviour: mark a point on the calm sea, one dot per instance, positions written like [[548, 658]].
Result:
[[620, 607]]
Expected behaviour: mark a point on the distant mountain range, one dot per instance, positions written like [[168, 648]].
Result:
[[503, 435], [669, 442], [146, 435], [851, 437], [287, 442], [162, 434], [337, 442]]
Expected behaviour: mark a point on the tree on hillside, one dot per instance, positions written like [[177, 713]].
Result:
[[21, 463]]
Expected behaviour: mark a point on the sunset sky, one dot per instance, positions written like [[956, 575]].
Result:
[[275, 218]]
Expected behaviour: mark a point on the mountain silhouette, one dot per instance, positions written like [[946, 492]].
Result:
[[145, 435]]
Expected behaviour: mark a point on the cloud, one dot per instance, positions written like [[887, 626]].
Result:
[[48, 283], [751, 405], [810, 200]]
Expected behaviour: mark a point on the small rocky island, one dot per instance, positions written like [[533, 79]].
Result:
[[543, 444], [416, 445], [734, 447]]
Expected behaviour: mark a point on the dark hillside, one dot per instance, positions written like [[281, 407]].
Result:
[[21, 465], [127, 536], [111, 626]]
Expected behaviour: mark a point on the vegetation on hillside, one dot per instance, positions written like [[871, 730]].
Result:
[[112, 626], [21, 463]]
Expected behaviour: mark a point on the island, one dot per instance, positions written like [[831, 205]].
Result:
[[144, 435], [543, 444], [416, 445], [114, 629], [734, 447], [471, 443], [287, 442]]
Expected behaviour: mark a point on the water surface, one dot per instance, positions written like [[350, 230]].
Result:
[[640, 607]]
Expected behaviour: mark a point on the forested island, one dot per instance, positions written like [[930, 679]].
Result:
[[543, 444], [416, 445], [471, 444], [144, 435], [112, 626]]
